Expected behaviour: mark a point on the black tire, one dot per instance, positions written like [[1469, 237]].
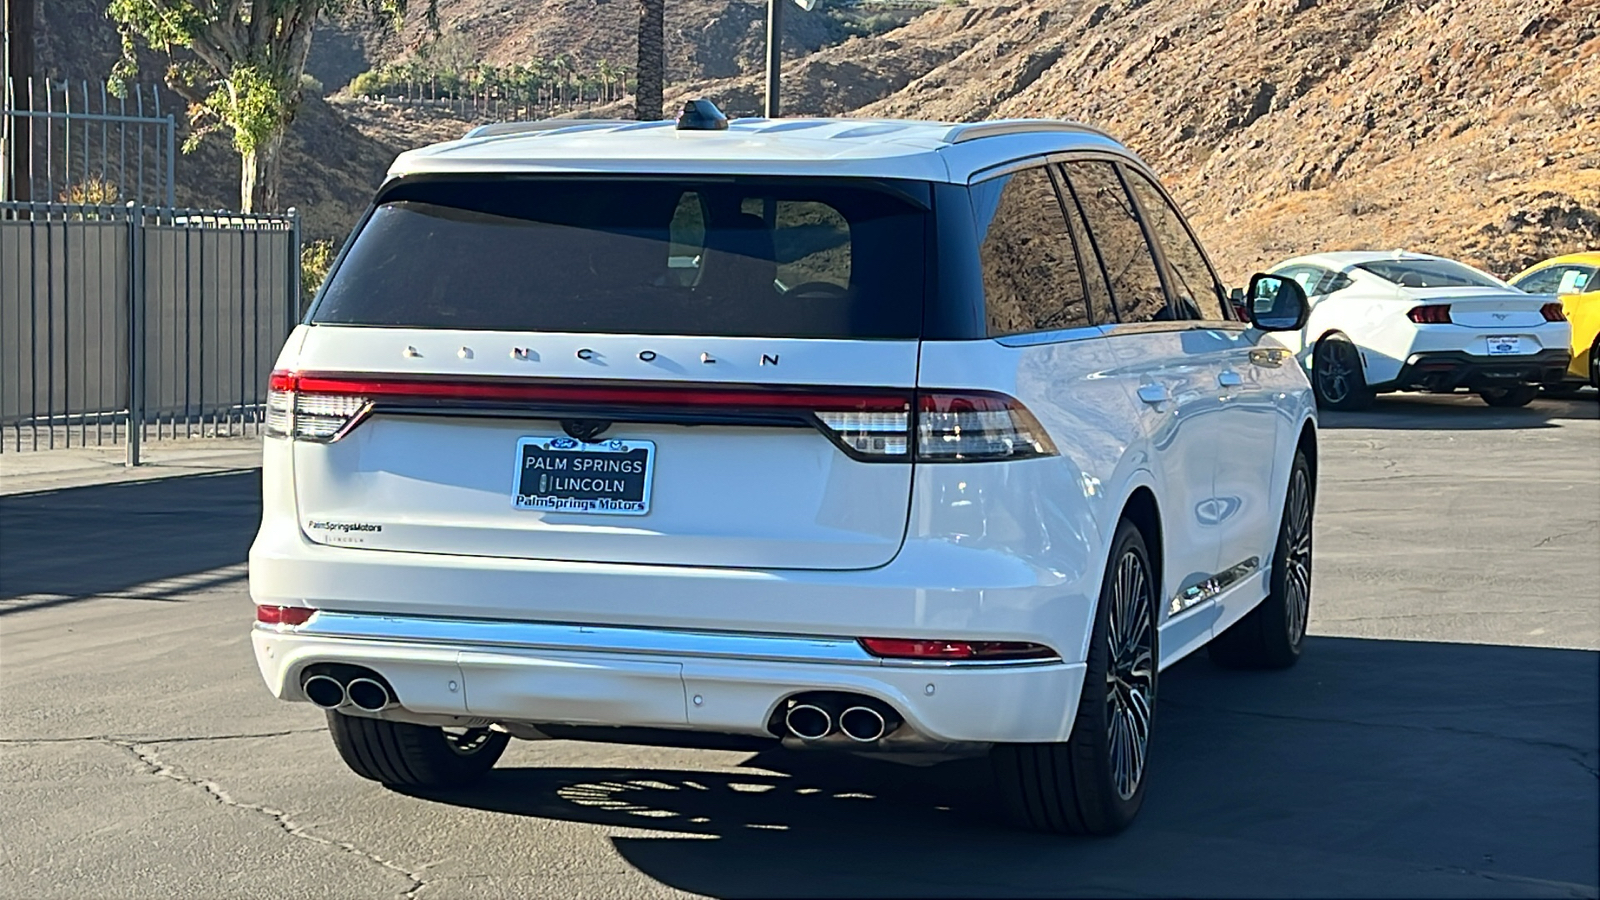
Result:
[[1510, 397], [1270, 636], [400, 754], [1078, 787], [1337, 379], [1594, 363]]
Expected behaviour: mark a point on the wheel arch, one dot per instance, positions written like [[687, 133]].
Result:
[[1143, 511]]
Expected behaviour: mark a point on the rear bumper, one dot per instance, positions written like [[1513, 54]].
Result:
[[1447, 370], [722, 682]]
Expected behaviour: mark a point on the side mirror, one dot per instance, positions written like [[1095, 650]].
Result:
[[1277, 304]]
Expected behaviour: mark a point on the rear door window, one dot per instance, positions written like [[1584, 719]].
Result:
[[1114, 227], [1031, 274], [1194, 286], [801, 258]]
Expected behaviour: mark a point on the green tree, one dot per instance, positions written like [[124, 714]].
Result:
[[238, 63]]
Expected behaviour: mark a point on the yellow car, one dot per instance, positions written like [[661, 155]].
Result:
[[1576, 277]]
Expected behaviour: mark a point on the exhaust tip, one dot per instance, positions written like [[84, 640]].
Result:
[[808, 722], [863, 723], [324, 691], [368, 694]]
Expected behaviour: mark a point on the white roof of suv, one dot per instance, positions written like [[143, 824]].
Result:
[[873, 148]]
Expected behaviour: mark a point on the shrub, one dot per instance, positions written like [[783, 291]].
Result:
[[316, 258]]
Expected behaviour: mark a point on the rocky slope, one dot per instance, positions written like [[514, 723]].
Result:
[[1469, 128]]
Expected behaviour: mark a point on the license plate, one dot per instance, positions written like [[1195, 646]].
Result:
[[563, 474], [1505, 346]]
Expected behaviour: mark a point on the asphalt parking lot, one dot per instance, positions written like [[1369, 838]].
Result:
[[1441, 737]]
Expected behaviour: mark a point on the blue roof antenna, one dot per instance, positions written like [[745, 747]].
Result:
[[701, 115]]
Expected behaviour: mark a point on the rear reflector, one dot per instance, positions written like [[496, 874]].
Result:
[[874, 424], [1552, 312], [284, 615], [900, 648], [1431, 314]]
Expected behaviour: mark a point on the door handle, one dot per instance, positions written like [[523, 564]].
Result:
[[1154, 393], [1229, 378]]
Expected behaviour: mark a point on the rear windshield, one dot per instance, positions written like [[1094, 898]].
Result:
[[758, 258], [1428, 273]]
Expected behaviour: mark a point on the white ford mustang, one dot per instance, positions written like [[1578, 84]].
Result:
[[1399, 321]]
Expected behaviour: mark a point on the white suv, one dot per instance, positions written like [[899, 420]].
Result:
[[854, 434]]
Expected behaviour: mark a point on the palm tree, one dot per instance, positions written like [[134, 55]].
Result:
[[607, 74], [647, 99]]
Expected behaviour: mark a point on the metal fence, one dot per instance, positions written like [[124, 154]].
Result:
[[77, 143], [123, 323]]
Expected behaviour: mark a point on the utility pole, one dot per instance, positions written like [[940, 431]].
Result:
[[774, 55]]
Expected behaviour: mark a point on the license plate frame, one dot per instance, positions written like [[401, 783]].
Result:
[[1505, 345], [601, 478]]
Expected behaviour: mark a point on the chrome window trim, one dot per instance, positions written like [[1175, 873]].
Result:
[[1162, 327], [611, 639], [1058, 336]]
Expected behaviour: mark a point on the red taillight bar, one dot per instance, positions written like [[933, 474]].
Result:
[[1553, 312], [1430, 314], [389, 387]]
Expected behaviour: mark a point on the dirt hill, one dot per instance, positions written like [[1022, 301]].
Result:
[[704, 38], [1469, 128]]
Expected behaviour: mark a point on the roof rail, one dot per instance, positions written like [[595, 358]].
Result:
[[971, 131], [499, 129]]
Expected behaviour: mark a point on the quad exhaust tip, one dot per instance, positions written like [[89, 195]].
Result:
[[325, 691], [863, 724], [808, 722], [367, 694]]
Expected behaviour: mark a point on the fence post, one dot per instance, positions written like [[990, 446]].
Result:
[[294, 270], [135, 331]]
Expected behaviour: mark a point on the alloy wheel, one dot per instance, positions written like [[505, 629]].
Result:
[[1333, 371], [1297, 563], [1130, 673]]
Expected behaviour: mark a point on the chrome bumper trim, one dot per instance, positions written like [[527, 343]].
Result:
[[609, 639]]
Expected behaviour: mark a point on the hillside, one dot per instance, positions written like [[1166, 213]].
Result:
[[1469, 128]]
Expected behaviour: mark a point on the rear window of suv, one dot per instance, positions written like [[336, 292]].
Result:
[[734, 257], [1428, 273]]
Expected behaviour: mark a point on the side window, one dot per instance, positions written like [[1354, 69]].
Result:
[[1194, 288], [1030, 266], [1544, 281], [1129, 264], [1308, 277]]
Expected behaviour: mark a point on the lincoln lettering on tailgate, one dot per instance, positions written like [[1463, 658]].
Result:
[[563, 474]]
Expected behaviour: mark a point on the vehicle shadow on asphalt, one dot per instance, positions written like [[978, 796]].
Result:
[[1372, 768], [83, 542], [1460, 412]]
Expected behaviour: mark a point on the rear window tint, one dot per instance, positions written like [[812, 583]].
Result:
[[1428, 273], [758, 258]]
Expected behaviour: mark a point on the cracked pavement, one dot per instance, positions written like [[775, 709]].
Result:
[[1441, 737]]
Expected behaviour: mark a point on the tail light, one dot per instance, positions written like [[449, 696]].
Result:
[[900, 648], [869, 424], [284, 615], [1431, 314], [1552, 312], [308, 408], [977, 427]]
